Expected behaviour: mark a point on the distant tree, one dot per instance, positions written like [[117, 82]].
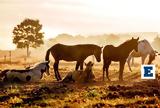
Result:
[[112, 39], [64, 37], [28, 34], [156, 43]]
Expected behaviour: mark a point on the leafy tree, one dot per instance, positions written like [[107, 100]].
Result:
[[28, 34]]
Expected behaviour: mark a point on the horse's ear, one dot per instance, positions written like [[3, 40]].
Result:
[[132, 38], [137, 38], [85, 64], [155, 51], [92, 64]]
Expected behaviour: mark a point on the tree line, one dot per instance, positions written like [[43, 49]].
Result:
[[29, 34]]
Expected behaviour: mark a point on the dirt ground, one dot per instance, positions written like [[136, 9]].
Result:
[[132, 92]]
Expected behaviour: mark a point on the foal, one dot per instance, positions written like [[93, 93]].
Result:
[[81, 76], [120, 53]]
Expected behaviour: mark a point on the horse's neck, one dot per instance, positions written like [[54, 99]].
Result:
[[126, 49], [87, 70], [37, 70], [91, 50], [145, 48], [37, 73]]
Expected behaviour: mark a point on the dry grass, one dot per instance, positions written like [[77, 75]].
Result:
[[50, 93]]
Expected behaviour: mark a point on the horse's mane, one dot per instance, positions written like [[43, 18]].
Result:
[[125, 43], [37, 64], [146, 41]]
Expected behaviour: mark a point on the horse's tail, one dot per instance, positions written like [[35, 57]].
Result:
[[3, 73], [47, 54]]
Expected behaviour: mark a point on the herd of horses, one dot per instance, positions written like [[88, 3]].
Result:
[[122, 53]]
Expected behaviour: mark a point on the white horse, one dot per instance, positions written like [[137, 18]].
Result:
[[28, 75], [144, 49]]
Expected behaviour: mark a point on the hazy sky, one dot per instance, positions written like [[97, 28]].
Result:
[[80, 16]]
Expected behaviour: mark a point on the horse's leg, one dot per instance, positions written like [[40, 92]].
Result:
[[104, 64], [143, 58], [128, 62], [132, 60], [81, 65], [108, 62], [56, 70], [122, 63], [77, 65]]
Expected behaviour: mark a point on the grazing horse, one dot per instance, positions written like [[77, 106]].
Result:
[[144, 49], [80, 75], [28, 75], [120, 53], [72, 53]]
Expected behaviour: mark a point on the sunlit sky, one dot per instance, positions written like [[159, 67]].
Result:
[[80, 16]]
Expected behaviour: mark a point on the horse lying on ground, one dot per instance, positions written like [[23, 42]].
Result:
[[120, 53], [81, 76], [144, 49], [76, 53], [28, 75]]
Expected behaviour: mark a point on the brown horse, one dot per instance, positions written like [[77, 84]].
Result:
[[120, 53], [72, 53]]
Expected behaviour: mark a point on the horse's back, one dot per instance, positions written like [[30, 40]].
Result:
[[60, 51], [113, 53], [71, 52], [108, 50]]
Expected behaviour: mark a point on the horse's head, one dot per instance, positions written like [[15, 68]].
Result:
[[44, 67], [134, 43], [97, 53], [89, 66], [47, 67]]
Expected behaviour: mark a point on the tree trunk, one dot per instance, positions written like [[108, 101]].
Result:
[[28, 51]]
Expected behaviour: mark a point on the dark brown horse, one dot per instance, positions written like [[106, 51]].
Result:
[[72, 53], [120, 53]]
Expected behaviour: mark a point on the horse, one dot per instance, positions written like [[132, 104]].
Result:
[[27, 75], [144, 49], [80, 75], [76, 53], [119, 53]]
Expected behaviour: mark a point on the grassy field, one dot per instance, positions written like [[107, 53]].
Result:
[[132, 92]]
